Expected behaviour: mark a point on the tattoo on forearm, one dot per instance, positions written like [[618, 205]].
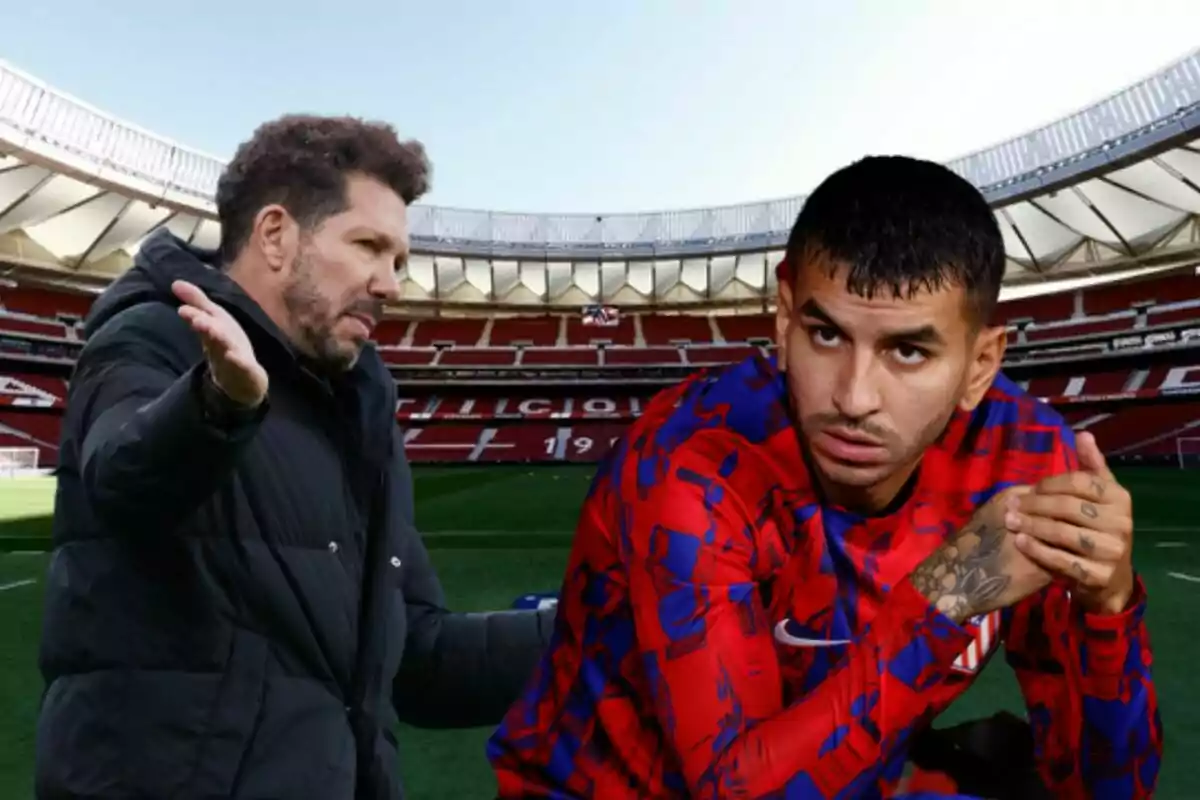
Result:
[[964, 575], [1089, 510]]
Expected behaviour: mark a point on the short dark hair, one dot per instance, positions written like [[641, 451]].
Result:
[[302, 161], [904, 225]]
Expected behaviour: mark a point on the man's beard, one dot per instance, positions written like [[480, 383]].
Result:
[[903, 453], [313, 318]]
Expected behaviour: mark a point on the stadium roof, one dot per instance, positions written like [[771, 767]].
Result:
[[1113, 187]]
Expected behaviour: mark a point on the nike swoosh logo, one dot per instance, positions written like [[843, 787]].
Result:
[[783, 637]]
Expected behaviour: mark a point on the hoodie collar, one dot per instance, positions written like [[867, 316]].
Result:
[[163, 259]]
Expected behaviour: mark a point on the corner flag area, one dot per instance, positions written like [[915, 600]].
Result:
[[498, 532]]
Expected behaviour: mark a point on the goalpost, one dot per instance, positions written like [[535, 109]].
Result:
[[1187, 450], [18, 461]]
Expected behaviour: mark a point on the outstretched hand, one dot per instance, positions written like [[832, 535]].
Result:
[[1079, 525], [231, 361]]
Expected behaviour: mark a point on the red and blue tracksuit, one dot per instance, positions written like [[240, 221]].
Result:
[[723, 634]]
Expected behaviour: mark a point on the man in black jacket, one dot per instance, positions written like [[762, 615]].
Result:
[[238, 603]]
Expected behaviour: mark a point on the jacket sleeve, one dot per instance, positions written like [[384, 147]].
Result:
[[459, 670], [147, 454], [711, 661], [1088, 688]]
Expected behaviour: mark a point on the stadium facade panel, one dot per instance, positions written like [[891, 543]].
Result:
[[1110, 189]]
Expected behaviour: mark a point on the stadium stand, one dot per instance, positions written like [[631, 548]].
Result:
[[495, 360], [1121, 361]]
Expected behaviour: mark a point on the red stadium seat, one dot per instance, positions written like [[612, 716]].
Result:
[[461, 332], [1079, 327], [642, 356], [510, 331], [391, 332], [591, 441], [54, 330], [560, 356], [438, 443], [1158, 290], [704, 356], [1167, 316], [527, 442], [1143, 429], [478, 357], [21, 389], [744, 329], [1044, 308], [409, 357], [664, 329], [44, 303]]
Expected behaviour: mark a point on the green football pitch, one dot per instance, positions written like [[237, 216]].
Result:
[[497, 532]]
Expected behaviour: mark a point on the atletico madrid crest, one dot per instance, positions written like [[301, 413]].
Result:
[[987, 636]]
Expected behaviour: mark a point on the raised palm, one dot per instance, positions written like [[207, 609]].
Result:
[[231, 360]]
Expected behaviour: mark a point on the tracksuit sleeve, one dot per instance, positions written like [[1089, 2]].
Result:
[[459, 669], [1090, 696], [1088, 688], [149, 454], [710, 658]]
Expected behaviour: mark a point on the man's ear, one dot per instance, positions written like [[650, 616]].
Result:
[[275, 234], [783, 311], [986, 359]]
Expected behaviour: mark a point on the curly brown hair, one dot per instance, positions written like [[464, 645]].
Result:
[[302, 161]]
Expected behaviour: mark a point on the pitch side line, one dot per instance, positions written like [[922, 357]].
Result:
[[4, 587]]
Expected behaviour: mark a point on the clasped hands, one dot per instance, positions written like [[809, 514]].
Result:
[[1079, 526]]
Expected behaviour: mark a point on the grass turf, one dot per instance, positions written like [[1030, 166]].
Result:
[[498, 531]]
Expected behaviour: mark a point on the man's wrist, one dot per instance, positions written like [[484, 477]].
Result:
[[221, 409], [908, 613], [1110, 606], [1115, 606], [1114, 602]]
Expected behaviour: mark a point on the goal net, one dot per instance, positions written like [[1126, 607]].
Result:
[[1187, 451], [18, 461]]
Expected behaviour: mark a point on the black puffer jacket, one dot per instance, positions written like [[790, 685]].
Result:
[[231, 610]]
